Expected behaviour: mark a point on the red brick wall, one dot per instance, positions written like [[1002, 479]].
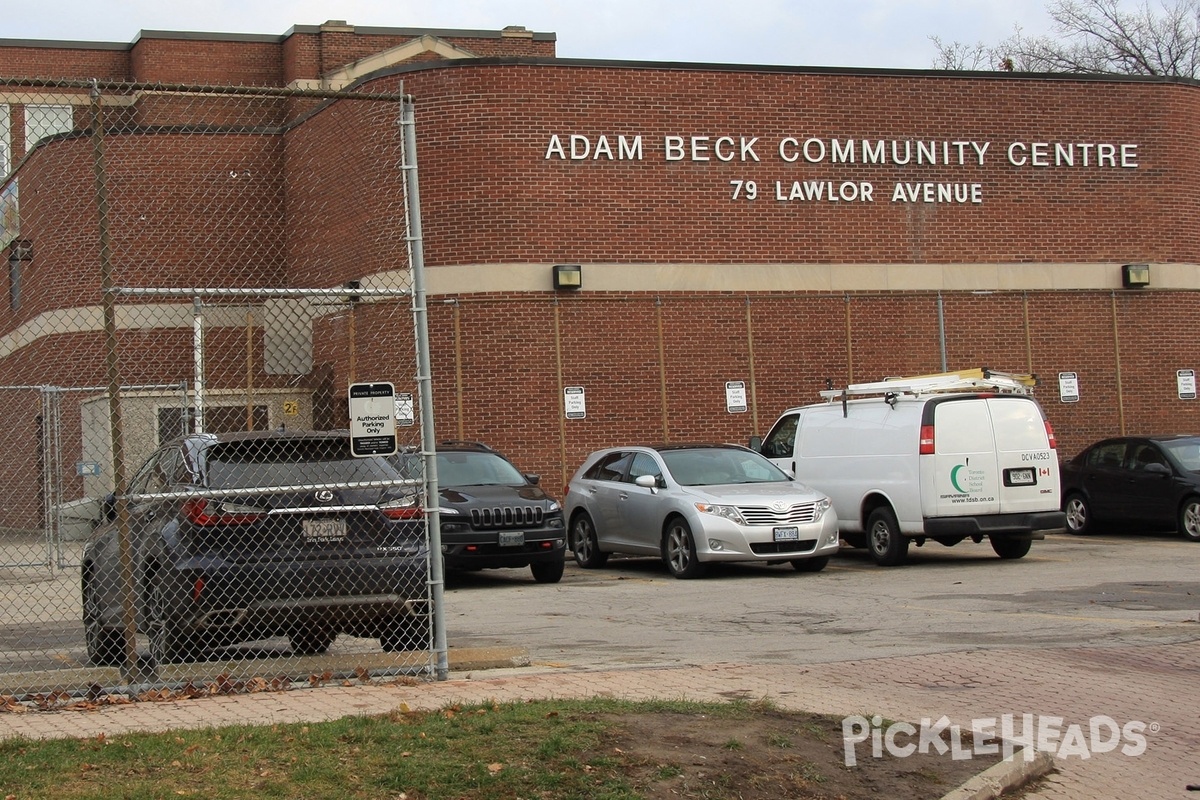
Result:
[[207, 62], [184, 210], [497, 199], [46, 61]]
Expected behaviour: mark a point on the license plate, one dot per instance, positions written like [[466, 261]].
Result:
[[787, 534], [324, 530], [512, 538], [1020, 477]]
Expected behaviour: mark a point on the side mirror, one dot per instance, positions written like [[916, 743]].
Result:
[[108, 507], [646, 481], [532, 478], [756, 444], [1157, 469]]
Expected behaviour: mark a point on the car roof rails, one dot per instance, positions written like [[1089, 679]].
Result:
[[982, 379]]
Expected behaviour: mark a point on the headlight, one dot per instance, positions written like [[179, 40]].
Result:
[[728, 512], [823, 505], [554, 506], [447, 511]]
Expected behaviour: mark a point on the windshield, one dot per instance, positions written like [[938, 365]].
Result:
[[476, 469], [297, 462], [715, 466], [1185, 451]]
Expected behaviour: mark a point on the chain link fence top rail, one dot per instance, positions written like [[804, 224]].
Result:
[[196, 276]]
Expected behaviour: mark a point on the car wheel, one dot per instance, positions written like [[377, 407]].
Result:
[[1079, 514], [584, 546], [1189, 519], [406, 633], [548, 571], [105, 646], [311, 641], [888, 546], [810, 564], [679, 550], [1011, 548], [168, 644]]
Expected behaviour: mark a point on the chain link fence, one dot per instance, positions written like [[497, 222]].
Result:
[[196, 278]]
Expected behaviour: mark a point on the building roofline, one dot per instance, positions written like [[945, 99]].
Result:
[[699, 66], [269, 38]]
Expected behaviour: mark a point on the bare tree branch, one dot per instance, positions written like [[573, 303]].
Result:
[[1095, 36]]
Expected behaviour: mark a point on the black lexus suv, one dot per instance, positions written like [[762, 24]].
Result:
[[492, 514]]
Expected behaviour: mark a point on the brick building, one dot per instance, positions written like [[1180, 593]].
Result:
[[777, 227]]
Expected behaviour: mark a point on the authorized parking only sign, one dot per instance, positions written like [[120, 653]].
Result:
[[372, 419]]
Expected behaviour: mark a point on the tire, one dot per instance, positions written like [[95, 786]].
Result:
[[584, 546], [810, 564], [1079, 514], [679, 551], [168, 644], [548, 571], [406, 634], [889, 548], [311, 641], [1011, 548], [1189, 518], [105, 646]]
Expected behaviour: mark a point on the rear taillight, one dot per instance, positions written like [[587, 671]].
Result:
[[1050, 436], [404, 508], [926, 446], [566, 488], [197, 589], [203, 512]]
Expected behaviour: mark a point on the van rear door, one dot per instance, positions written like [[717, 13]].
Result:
[[1029, 479], [961, 477]]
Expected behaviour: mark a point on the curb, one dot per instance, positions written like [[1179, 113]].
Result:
[[1012, 773]]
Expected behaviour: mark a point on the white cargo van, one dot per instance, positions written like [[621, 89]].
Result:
[[944, 457]]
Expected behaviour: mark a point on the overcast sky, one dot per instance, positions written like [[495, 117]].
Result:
[[846, 33]]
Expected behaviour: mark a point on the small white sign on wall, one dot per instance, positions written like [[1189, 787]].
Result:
[[735, 397], [405, 409], [574, 402], [1185, 379], [1068, 387]]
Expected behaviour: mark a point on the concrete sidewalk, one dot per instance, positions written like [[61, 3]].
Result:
[[1151, 688]]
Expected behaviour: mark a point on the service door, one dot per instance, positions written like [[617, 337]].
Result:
[[966, 474], [1029, 481]]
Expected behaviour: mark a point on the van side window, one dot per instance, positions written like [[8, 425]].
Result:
[[781, 441]]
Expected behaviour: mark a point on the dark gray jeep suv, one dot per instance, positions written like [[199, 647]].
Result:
[[492, 514]]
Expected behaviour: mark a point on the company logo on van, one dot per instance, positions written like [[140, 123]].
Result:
[[966, 480]]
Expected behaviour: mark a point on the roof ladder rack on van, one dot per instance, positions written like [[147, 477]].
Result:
[[961, 381]]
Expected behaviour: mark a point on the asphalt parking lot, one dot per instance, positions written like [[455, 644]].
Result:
[[1069, 591]]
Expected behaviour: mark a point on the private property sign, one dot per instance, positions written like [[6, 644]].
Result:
[[372, 419]]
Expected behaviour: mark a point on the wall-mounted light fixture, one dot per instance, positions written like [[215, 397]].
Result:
[[1135, 276], [568, 277]]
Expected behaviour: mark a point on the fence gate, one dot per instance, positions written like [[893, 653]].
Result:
[[197, 277]]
